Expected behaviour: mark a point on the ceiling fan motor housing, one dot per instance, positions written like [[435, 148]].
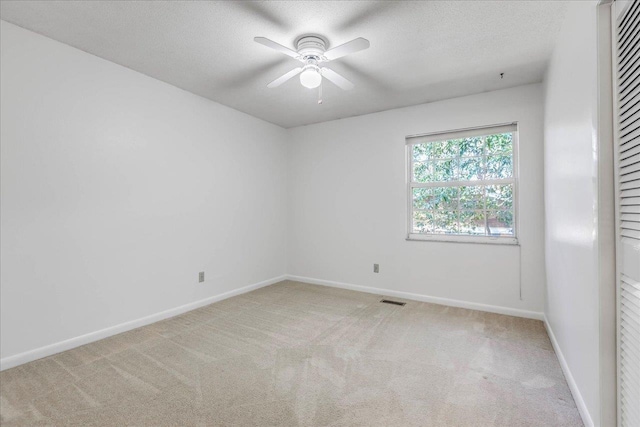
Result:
[[311, 47]]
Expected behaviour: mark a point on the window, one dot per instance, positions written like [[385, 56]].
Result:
[[462, 185]]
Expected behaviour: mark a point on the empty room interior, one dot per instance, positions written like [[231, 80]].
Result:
[[320, 213]]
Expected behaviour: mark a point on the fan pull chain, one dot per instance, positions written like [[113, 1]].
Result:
[[320, 93]]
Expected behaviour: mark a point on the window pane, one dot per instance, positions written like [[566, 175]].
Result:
[[435, 222], [500, 196], [443, 149], [445, 222], [422, 198], [472, 197], [435, 150], [500, 223], [420, 153], [499, 167], [471, 169], [423, 222], [472, 223], [444, 170], [471, 146], [435, 198], [499, 144], [421, 172]]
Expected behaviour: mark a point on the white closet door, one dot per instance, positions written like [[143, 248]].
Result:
[[627, 84]]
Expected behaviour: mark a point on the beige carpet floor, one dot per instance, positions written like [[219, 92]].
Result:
[[295, 354]]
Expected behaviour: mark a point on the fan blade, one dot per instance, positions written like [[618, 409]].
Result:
[[273, 45], [277, 82], [354, 45], [337, 79]]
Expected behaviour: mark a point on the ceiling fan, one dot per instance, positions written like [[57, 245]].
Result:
[[312, 52]]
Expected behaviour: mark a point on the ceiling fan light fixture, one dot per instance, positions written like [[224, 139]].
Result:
[[310, 77], [312, 52]]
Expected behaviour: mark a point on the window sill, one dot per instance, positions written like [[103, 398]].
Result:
[[483, 240]]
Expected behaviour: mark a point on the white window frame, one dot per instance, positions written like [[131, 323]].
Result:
[[456, 134]]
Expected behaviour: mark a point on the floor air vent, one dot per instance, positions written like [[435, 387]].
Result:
[[388, 301]]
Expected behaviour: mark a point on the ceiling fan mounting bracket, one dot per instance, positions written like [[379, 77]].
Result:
[[311, 46]]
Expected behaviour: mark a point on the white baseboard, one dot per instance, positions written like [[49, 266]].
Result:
[[424, 298], [48, 350], [575, 391]]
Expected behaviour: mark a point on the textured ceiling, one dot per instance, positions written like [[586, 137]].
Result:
[[420, 51]]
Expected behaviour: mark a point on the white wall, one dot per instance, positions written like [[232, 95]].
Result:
[[117, 189], [572, 205], [348, 205]]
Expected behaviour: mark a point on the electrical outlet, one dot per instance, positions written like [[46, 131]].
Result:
[[201, 277], [376, 268]]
